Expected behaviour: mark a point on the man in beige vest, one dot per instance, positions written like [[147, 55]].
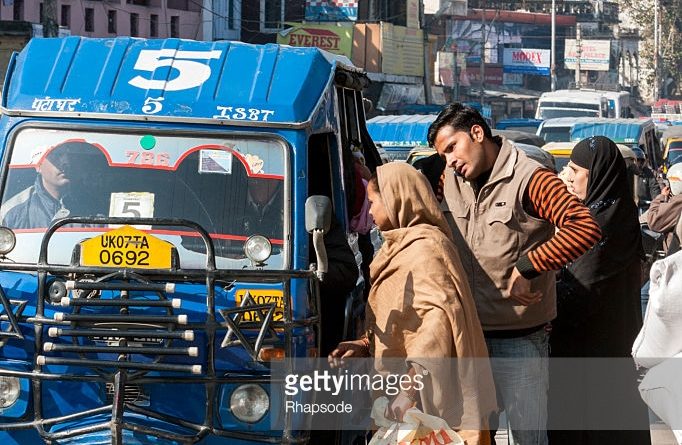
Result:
[[504, 209]]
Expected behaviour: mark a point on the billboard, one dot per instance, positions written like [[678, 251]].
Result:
[[331, 10], [337, 39], [527, 61], [402, 50], [595, 55]]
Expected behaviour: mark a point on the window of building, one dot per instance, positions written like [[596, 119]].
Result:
[[134, 21], [175, 26], [153, 25], [230, 14], [66, 16], [138, 2], [111, 21], [18, 10], [271, 14], [183, 5], [89, 20], [41, 13]]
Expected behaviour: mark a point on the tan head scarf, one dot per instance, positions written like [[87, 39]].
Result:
[[408, 197], [420, 305]]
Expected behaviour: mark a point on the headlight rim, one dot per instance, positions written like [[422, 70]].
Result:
[[242, 418], [12, 237], [15, 385], [249, 253]]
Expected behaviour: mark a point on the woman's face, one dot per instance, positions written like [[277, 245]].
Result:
[[577, 177], [377, 208]]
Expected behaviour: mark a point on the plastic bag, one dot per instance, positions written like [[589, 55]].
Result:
[[661, 389], [661, 335], [416, 428]]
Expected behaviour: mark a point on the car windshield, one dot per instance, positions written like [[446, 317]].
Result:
[[675, 153], [233, 187]]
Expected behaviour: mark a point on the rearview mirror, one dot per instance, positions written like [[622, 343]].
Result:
[[318, 213]]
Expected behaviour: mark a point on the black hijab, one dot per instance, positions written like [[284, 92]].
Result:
[[612, 205]]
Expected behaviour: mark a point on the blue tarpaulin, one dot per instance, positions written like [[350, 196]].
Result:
[[400, 131]]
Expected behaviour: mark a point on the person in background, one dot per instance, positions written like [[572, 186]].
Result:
[[664, 212], [49, 197], [503, 209], [264, 208], [599, 313], [646, 185], [422, 310]]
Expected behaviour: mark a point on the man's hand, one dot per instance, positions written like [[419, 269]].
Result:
[[666, 191], [346, 349], [519, 289], [397, 408]]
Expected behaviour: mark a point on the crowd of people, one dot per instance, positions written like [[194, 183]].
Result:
[[517, 264]]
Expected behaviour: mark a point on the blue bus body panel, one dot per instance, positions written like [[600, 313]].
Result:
[[620, 131], [170, 78], [511, 124], [400, 131]]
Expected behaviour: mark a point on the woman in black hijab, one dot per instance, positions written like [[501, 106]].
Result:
[[599, 311]]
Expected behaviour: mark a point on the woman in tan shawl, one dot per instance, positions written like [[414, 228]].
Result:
[[420, 307]]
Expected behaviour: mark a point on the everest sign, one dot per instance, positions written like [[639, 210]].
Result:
[[527, 61]]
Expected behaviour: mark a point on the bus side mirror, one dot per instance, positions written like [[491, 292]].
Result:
[[318, 219], [318, 213]]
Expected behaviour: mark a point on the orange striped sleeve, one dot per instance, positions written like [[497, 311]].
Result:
[[550, 200]]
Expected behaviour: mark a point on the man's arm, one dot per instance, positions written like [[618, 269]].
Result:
[[663, 214], [548, 198]]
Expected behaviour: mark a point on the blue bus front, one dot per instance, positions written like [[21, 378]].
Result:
[[152, 266]]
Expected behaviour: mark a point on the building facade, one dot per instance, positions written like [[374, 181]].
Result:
[[111, 18]]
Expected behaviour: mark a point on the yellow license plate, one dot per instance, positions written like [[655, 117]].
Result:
[[262, 296], [126, 247]]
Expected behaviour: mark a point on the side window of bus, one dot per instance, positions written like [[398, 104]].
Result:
[[320, 167], [349, 103]]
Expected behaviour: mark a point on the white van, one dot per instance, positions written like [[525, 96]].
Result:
[[578, 103]]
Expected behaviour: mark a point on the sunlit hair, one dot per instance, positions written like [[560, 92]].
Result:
[[461, 118]]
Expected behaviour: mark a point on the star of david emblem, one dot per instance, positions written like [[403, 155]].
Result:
[[234, 336], [9, 314]]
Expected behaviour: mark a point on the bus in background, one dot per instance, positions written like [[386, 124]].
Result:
[[559, 129], [519, 124], [579, 103], [635, 133]]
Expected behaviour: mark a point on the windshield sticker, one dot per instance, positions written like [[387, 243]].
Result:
[[255, 163], [241, 114], [215, 161], [132, 205], [47, 104]]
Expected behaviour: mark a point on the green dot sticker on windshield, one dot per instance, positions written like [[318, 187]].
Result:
[[148, 142]]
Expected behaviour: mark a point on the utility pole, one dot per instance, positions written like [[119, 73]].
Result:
[[50, 26], [482, 67], [428, 96], [657, 50], [578, 51], [552, 69]]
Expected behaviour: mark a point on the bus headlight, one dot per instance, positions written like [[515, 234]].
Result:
[[10, 389], [258, 249], [249, 403], [7, 240]]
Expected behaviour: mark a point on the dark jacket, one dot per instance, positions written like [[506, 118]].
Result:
[[33, 208]]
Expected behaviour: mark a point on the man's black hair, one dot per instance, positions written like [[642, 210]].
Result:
[[461, 118]]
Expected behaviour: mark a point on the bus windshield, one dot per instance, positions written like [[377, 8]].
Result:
[[551, 113], [232, 187]]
